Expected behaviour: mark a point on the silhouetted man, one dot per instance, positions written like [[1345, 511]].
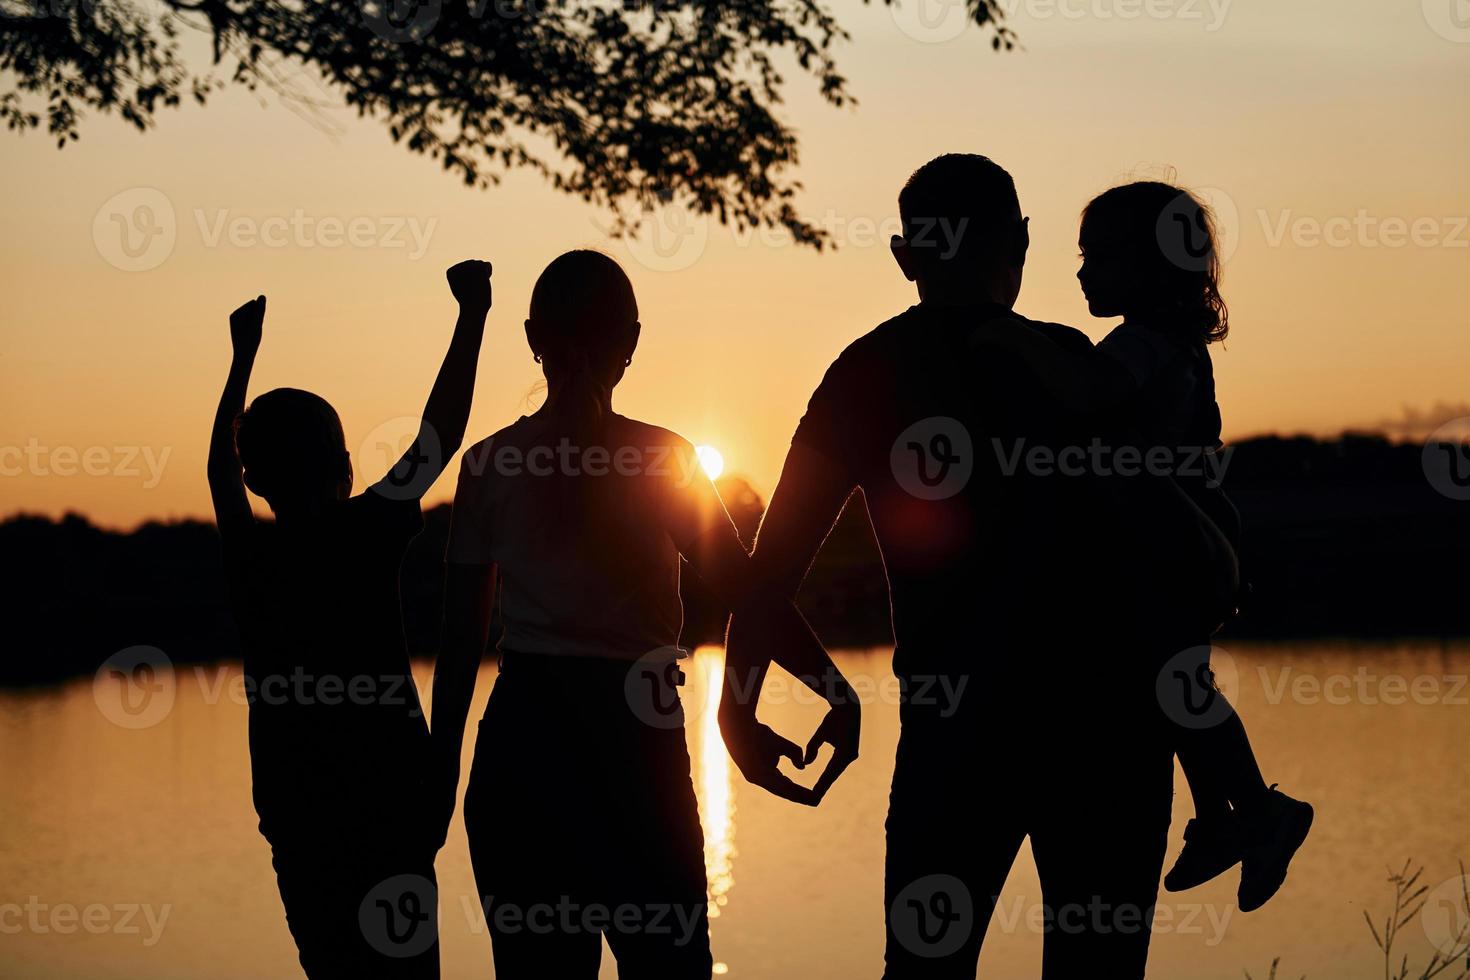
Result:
[[1029, 706]]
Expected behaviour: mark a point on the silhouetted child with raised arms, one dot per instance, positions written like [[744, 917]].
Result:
[[1149, 255], [338, 740]]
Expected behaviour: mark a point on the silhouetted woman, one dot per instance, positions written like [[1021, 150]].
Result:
[[580, 809]]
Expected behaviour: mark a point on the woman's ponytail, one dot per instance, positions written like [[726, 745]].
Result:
[[578, 408]]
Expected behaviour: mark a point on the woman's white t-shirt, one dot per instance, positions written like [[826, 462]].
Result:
[[587, 539]]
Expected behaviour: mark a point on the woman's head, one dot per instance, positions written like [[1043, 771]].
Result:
[[1150, 252], [583, 328]]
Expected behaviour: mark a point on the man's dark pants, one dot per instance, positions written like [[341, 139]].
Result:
[[1084, 770]]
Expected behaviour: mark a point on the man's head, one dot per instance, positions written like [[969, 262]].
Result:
[[292, 448], [963, 233]]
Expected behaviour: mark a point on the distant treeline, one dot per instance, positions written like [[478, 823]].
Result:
[[1344, 537]]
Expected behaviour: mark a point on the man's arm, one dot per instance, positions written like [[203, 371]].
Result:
[[806, 503], [447, 412], [226, 485], [469, 592]]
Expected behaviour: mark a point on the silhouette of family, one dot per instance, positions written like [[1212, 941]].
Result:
[[1068, 603]]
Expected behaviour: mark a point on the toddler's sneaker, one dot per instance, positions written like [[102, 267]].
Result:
[[1274, 827], [1211, 847]]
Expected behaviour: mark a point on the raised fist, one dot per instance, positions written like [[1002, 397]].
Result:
[[469, 281], [245, 326]]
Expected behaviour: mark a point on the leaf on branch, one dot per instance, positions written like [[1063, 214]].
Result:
[[620, 104]]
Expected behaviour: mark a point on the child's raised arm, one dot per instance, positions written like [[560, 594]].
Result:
[[447, 412], [226, 484]]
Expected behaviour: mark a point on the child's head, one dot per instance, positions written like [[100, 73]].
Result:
[[1149, 252], [292, 448], [583, 328], [962, 223]]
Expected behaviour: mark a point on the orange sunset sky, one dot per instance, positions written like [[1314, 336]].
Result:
[[1332, 135]]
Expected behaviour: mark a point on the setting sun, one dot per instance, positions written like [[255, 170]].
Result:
[[712, 461]]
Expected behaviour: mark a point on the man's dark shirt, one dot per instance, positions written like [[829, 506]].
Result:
[[1000, 565]]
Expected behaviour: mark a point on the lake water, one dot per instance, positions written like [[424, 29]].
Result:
[[130, 850]]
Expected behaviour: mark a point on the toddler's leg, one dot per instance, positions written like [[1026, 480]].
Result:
[[1238, 818], [1219, 764], [1271, 824]]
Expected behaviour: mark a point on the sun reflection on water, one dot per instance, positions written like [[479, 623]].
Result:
[[712, 781]]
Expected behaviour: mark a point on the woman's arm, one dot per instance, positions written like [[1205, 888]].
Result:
[[770, 629], [447, 412], [771, 623], [469, 592]]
